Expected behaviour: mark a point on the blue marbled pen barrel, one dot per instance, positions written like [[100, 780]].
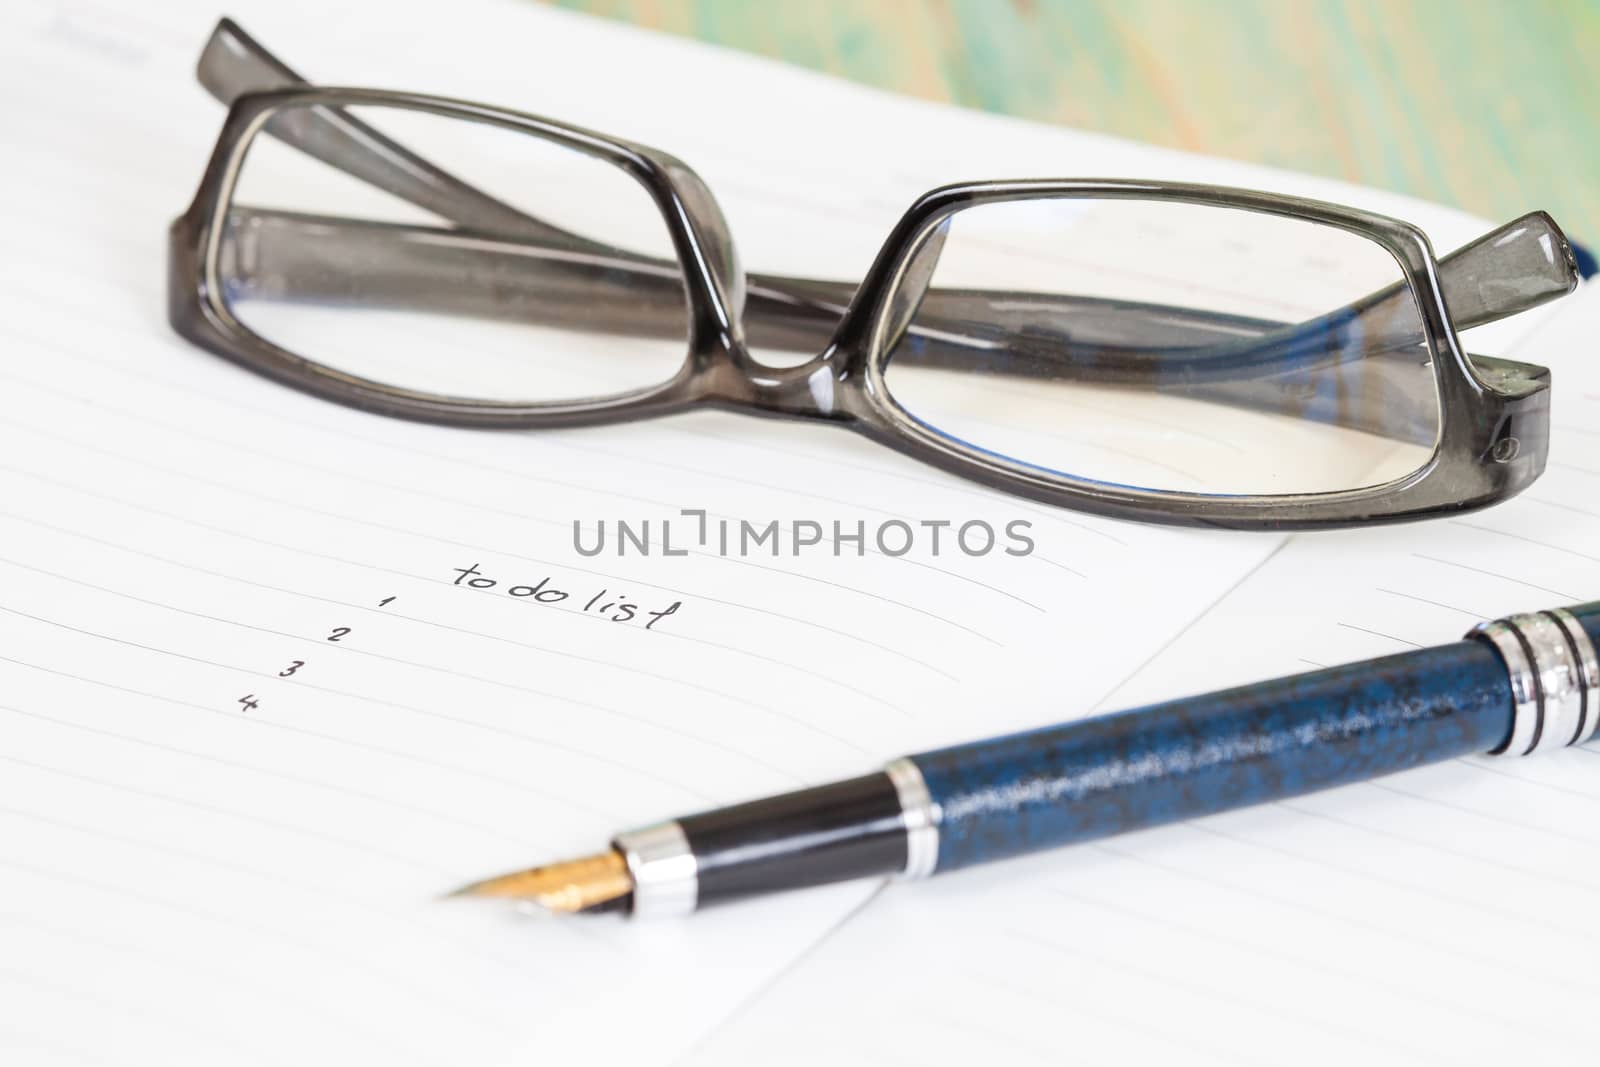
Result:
[[1517, 686], [1205, 754]]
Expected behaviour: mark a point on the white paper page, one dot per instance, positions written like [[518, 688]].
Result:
[[1438, 916], [214, 853]]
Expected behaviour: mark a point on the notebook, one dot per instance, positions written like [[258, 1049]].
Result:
[[255, 714]]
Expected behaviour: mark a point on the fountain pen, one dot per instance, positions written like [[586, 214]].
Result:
[[1519, 685]]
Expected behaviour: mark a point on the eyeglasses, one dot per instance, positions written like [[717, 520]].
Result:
[[1151, 351]]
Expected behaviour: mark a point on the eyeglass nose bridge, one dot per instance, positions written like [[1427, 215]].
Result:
[[819, 388], [825, 386]]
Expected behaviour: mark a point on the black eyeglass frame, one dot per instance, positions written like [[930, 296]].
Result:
[[1492, 438]]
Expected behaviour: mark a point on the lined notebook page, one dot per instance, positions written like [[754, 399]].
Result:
[[250, 724], [1439, 916]]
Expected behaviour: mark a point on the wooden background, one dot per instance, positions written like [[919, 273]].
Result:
[[1490, 105]]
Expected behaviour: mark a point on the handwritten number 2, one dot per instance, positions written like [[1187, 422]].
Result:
[[291, 668], [338, 632]]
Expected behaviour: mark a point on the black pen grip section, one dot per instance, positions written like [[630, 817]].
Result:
[[832, 833]]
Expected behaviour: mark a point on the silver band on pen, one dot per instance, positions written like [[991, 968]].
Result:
[[919, 814], [1554, 672]]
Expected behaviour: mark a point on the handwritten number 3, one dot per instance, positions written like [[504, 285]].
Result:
[[291, 668], [338, 632]]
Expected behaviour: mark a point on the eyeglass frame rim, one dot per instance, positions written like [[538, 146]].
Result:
[[844, 383]]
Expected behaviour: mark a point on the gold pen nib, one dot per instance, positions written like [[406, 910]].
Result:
[[587, 884]]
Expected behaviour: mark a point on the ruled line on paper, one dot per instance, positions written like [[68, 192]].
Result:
[[1504, 820], [512, 783], [359, 907], [1293, 959], [1177, 636], [276, 934], [181, 966], [340, 788], [1486, 909], [1131, 1021], [539, 742], [567, 655], [1493, 574], [389, 528], [1292, 902], [1561, 505], [412, 662], [1433, 603], [34, 428], [1502, 768], [669, 635], [1525, 539], [356, 906], [350, 844], [410, 576], [1380, 634], [1385, 930], [1043, 942], [412, 862], [1413, 841]]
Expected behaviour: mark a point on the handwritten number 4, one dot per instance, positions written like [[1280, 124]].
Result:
[[338, 632], [249, 702]]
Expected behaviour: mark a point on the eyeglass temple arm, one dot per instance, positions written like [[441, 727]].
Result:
[[233, 63], [1511, 269], [313, 257]]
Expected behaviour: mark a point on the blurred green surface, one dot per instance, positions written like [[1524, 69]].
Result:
[[1490, 105]]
